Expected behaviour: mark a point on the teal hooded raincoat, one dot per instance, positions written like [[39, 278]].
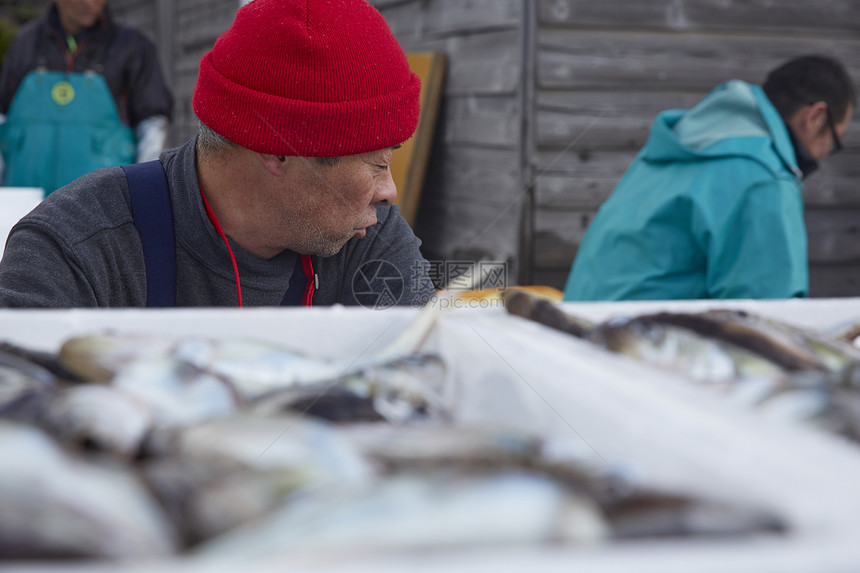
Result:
[[710, 208]]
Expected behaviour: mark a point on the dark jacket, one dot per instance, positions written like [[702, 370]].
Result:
[[79, 248], [129, 63]]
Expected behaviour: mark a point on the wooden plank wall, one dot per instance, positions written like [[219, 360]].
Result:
[[472, 200], [603, 71], [183, 30]]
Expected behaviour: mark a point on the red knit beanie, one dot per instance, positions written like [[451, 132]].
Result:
[[315, 78]]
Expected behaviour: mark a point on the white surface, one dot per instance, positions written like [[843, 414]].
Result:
[[15, 202], [516, 372]]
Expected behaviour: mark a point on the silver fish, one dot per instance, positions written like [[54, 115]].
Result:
[[398, 391], [56, 505], [430, 510], [215, 476], [683, 350], [100, 418], [819, 351], [313, 449], [207, 497], [250, 368], [537, 309], [24, 386], [175, 393], [652, 514]]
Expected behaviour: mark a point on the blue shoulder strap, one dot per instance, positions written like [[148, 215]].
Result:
[[298, 281], [153, 218]]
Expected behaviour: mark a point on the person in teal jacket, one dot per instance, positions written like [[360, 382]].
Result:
[[712, 206]]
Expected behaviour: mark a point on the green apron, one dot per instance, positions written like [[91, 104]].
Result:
[[61, 126]]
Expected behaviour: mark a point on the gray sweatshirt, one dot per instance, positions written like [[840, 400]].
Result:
[[79, 248]]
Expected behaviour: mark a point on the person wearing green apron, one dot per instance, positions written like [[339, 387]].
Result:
[[72, 92]]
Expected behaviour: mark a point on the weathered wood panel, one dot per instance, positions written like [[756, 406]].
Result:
[[468, 231], [430, 18], [823, 17], [564, 192], [472, 199], [140, 15], [550, 277], [488, 121], [583, 163], [557, 236], [478, 64], [834, 280], [834, 235], [625, 61], [575, 180], [488, 177], [616, 126], [472, 204], [602, 119]]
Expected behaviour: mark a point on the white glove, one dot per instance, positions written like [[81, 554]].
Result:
[[151, 137]]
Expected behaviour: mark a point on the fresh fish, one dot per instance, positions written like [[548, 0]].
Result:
[[250, 368], [25, 387], [654, 514], [846, 332], [817, 351], [207, 497], [54, 505], [405, 389], [18, 391], [177, 394], [628, 508], [430, 447], [215, 476], [314, 450], [846, 405], [45, 360], [657, 340], [744, 331], [99, 358], [538, 309], [408, 511], [98, 418]]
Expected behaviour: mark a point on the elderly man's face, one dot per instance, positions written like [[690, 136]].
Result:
[[77, 15], [326, 206]]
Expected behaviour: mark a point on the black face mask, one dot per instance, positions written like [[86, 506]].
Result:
[[805, 162]]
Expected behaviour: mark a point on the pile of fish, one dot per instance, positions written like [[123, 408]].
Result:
[[780, 369], [125, 447]]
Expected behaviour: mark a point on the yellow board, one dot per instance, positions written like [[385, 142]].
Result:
[[409, 163]]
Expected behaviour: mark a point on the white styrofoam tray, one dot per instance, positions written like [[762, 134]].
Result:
[[508, 369]]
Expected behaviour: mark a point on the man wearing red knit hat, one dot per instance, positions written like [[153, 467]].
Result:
[[283, 198]]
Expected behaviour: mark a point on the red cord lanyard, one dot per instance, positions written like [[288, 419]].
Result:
[[214, 220], [311, 277], [307, 264]]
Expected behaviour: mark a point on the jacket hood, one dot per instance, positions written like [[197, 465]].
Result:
[[735, 120]]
